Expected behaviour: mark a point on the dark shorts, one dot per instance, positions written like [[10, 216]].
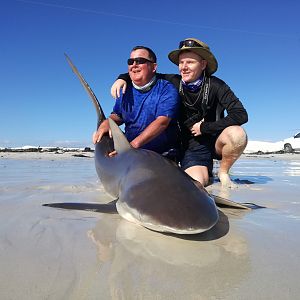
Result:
[[199, 153], [172, 154]]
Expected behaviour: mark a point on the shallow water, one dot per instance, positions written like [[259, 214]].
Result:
[[48, 253]]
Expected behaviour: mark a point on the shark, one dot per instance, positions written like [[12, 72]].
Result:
[[149, 189]]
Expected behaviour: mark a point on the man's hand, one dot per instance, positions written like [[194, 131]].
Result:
[[113, 153], [116, 88], [195, 129], [103, 128]]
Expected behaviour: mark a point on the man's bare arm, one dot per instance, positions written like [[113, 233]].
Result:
[[104, 128], [154, 129]]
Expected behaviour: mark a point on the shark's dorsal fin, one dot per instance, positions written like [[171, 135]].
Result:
[[120, 141]]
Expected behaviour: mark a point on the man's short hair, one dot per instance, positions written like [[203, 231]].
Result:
[[152, 55]]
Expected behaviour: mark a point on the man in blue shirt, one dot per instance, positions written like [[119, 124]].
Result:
[[149, 109]]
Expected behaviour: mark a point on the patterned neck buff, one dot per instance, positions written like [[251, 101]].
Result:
[[193, 86], [147, 87]]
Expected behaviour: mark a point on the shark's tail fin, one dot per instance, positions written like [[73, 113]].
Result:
[[100, 114]]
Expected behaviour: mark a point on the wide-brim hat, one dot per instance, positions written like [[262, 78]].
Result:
[[198, 47]]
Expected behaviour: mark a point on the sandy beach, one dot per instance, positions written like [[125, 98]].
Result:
[[49, 253]]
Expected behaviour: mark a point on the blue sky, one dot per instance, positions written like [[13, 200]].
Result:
[[256, 43]]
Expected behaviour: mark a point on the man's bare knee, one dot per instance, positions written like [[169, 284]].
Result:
[[232, 139], [238, 136]]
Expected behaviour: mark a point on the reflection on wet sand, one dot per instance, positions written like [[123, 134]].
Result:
[[293, 168], [146, 265]]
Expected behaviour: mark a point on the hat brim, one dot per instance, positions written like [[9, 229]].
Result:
[[212, 64]]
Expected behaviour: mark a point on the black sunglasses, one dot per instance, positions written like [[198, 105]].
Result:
[[138, 61], [189, 43]]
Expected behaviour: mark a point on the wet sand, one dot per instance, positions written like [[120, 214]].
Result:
[[49, 253]]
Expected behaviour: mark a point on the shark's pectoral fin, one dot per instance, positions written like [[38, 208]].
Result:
[[109, 208], [220, 201], [120, 141]]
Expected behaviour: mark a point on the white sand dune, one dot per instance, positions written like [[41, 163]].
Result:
[[256, 146]]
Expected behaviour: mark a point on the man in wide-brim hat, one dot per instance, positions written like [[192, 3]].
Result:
[[206, 132]]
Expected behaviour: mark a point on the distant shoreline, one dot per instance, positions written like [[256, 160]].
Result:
[[77, 153], [45, 149], [270, 155], [51, 155]]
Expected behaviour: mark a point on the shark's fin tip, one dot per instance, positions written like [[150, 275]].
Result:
[[120, 141]]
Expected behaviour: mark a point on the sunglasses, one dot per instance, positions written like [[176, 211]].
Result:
[[138, 61], [189, 43]]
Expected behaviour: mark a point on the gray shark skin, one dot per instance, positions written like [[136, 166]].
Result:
[[151, 190]]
